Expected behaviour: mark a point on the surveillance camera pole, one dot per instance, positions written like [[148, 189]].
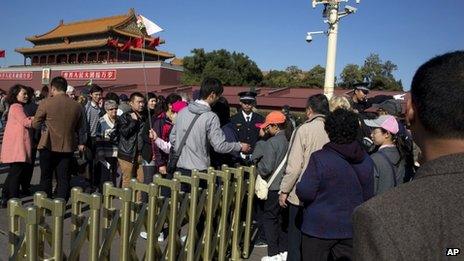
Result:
[[333, 17], [332, 33]]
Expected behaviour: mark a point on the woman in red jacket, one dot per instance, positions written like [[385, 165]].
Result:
[[16, 144]]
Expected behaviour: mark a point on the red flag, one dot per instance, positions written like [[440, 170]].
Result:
[[137, 42], [2, 53], [126, 46], [154, 42], [113, 43]]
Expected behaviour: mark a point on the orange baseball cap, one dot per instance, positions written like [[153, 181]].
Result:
[[274, 117]]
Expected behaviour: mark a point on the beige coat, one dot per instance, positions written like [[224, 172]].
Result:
[[310, 137]]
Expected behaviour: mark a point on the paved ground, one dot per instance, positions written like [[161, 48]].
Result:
[[255, 255]]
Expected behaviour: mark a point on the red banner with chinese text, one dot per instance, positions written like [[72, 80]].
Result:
[[18, 76], [101, 75]]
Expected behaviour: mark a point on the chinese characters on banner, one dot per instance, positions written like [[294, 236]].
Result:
[[102, 75], [19, 76]]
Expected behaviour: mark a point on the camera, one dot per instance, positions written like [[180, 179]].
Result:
[[309, 38], [350, 9]]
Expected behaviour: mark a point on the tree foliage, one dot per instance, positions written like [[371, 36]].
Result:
[[315, 77], [350, 75], [295, 77], [231, 68], [375, 71], [238, 69]]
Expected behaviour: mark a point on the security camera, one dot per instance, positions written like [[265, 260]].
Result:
[[309, 35], [309, 38], [350, 9]]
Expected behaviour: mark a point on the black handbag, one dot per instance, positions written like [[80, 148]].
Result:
[[175, 155]]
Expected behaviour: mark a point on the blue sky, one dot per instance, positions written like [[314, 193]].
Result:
[[271, 32]]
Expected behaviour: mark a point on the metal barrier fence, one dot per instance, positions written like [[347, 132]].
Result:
[[206, 216]]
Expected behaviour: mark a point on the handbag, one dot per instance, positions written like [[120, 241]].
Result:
[[175, 155], [262, 186]]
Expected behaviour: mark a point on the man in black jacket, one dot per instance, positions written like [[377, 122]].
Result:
[[129, 127]]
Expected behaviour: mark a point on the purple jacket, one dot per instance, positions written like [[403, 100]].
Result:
[[339, 177]]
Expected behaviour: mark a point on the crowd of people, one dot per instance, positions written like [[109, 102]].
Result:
[[333, 184]]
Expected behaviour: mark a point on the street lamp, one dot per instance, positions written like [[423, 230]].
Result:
[[331, 11]]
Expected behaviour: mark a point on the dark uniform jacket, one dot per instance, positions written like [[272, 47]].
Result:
[[247, 131]]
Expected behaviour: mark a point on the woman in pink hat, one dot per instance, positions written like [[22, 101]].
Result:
[[389, 160]]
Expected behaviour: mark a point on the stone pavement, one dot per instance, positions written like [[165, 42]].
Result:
[[256, 254]]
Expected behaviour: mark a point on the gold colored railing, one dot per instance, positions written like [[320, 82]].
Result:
[[217, 216]]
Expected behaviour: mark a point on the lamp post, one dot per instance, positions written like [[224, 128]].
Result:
[[331, 11]]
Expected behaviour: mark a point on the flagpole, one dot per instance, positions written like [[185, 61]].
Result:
[[130, 40], [117, 53], [145, 76], [150, 29]]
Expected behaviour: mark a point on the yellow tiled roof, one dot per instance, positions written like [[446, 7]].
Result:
[[92, 26]]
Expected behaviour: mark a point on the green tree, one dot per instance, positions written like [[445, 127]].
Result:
[[231, 68], [372, 67], [314, 77], [350, 75], [276, 78], [380, 74]]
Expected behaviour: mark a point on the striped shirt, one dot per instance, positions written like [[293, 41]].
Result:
[[92, 112], [105, 147]]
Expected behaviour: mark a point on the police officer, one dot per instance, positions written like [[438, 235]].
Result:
[[359, 97], [245, 121], [359, 100]]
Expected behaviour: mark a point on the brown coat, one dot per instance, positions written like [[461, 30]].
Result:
[[309, 137], [418, 220], [62, 117]]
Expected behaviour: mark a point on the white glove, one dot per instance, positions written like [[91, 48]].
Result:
[[399, 96]]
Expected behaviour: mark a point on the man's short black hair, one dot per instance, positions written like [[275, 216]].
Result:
[[222, 110], [151, 95], [318, 103], [172, 98], [437, 91], [136, 94], [112, 96], [210, 85], [95, 88], [342, 126], [59, 83]]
